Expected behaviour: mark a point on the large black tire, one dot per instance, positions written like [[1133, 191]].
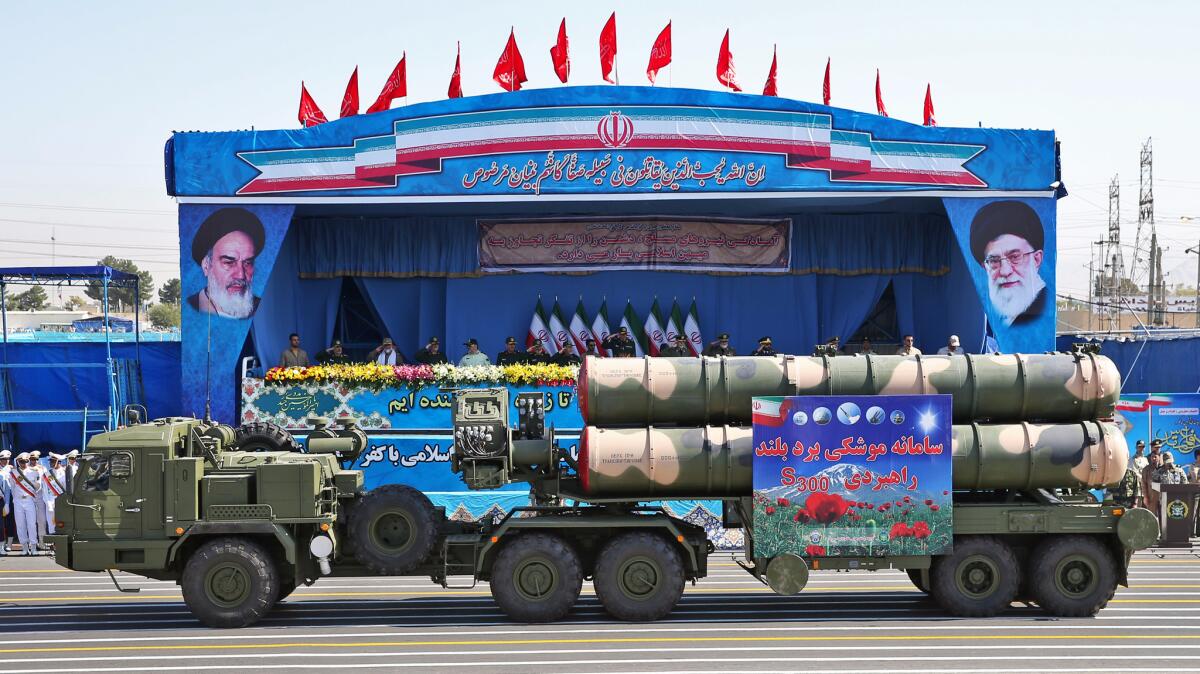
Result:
[[230, 582], [1072, 576], [536, 578], [392, 529], [639, 577], [978, 580], [915, 576], [264, 436]]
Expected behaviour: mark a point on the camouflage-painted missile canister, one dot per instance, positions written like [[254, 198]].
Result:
[[698, 391], [715, 461], [652, 463]]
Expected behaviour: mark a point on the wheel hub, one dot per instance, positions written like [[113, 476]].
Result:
[[639, 577], [978, 577], [1076, 576], [228, 585], [535, 579], [392, 531]]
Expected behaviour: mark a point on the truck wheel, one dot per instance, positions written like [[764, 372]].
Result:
[[1072, 576], [639, 576], [392, 529], [230, 582], [978, 580], [264, 436], [915, 576], [536, 578]]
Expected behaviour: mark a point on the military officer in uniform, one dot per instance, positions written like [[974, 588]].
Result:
[[510, 355], [474, 357], [720, 347], [7, 523], [72, 467], [1129, 492], [566, 355], [35, 462], [1170, 473], [334, 355], [54, 484], [537, 354], [590, 345], [431, 354], [764, 348], [620, 344], [26, 483], [677, 349], [1139, 460]]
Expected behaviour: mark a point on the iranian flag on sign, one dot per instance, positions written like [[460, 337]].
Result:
[[580, 332], [558, 328], [674, 322], [656, 337], [630, 322], [600, 329], [691, 328], [538, 330]]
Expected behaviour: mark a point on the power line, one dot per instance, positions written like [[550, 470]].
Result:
[[118, 228], [95, 245]]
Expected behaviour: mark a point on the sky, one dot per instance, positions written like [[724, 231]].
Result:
[[93, 90]]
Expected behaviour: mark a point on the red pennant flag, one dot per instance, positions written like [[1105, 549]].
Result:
[[310, 114], [879, 96], [660, 53], [558, 54], [350, 98], [455, 90], [510, 69], [771, 88], [726, 73], [825, 87], [929, 120], [395, 87], [608, 48]]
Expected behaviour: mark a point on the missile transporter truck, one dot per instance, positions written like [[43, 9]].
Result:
[[240, 518]]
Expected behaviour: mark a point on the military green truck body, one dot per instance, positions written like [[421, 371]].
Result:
[[240, 518]]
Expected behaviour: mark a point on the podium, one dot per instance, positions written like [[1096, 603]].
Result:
[[1177, 513]]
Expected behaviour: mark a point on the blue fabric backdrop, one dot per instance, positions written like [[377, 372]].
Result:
[[64, 388], [1151, 366], [448, 246]]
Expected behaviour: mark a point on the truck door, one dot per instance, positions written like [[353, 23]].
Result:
[[102, 492]]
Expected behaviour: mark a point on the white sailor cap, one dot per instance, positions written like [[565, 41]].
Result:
[[35, 454], [23, 456], [56, 457], [5, 454], [73, 453]]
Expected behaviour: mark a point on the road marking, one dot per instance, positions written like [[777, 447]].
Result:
[[611, 640]]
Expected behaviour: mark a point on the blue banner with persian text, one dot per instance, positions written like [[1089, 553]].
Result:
[[607, 141]]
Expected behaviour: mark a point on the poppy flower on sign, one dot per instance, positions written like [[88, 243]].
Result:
[[801, 516], [815, 551], [826, 508], [770, 510]]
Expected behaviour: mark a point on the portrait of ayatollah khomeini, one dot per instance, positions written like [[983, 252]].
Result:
[[225, 247], [1007, 239]]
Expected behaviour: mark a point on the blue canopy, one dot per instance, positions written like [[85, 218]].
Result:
[[39, 275]]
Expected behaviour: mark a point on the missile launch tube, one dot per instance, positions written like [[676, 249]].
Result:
[[698, 391], [717, 461]]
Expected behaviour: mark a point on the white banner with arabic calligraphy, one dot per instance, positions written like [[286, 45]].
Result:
[[677, 244]]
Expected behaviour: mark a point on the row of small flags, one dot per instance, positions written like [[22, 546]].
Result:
[[649, 336], [510, 74]]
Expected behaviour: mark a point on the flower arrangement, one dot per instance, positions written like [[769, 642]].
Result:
[[378, 377]]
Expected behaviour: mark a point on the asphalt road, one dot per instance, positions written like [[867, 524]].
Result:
[[55, 620]]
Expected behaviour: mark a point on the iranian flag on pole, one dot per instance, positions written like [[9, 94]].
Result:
[[630, 322], [656, 337], [580, 332], [600, 329], [558, 329], [691, 328], [538, 330], [675, 322]]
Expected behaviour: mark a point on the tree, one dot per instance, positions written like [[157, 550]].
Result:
[[164, 316], [33, 299], [73, 302], [95, 289], [171, 292]]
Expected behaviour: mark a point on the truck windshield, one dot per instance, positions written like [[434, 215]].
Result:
[[96, 472]]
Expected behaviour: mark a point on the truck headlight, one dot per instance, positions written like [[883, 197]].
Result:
[[321, 546]]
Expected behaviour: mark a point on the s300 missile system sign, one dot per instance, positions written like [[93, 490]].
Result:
[[842, 476]]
